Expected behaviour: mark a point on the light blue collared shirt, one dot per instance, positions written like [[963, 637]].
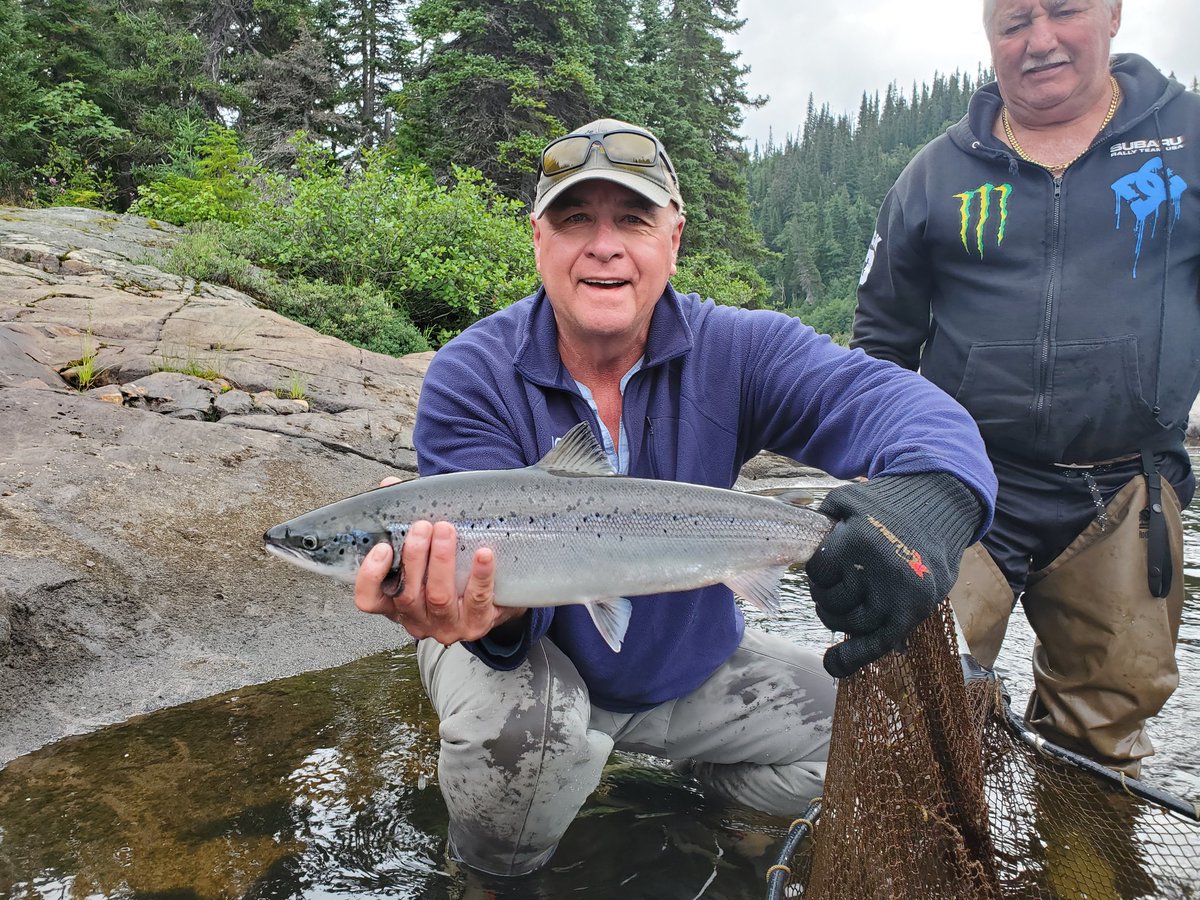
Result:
[[619, 457]]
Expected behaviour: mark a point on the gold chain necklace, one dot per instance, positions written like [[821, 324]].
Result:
[[1012, 138]]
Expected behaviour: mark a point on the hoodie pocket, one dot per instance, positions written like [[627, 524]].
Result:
[[997, 389], [1091, 409]]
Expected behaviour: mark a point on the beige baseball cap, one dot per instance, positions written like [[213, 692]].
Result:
[[610, 150]]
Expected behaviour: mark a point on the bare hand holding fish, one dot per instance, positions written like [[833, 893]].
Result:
[[428, 604]]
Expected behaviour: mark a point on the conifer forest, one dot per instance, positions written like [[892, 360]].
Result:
[[364, 166]]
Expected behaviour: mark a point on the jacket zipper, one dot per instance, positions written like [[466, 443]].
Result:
[[1040, 405], [650, 448]]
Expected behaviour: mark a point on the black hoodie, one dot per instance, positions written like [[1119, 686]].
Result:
[[1063, 313]]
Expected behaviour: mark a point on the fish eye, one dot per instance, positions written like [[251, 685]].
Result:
[[309, 542]]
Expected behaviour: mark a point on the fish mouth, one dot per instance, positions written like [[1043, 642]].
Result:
[[303, 561]]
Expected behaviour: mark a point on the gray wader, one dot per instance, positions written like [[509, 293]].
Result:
[[522, 750], [1104, 657]]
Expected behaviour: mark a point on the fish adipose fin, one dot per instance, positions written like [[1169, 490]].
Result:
[[577, 453], [760, 588], [612, 620]]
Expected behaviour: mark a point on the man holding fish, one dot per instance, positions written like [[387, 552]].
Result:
[[533, 700]]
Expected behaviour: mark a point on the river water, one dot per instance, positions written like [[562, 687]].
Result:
[[324, 785]]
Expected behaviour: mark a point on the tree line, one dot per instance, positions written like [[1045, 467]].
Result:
[[814, 198], [366, 165], [104, 96], [208, 110]]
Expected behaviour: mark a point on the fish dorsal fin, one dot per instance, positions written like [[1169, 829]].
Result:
[[577, 453], [760, 587], [612, 620]]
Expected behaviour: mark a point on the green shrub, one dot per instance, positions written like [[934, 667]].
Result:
[[205, 254], [721, 278], [75, 134], [220, 190], [447, 254], [360, 315], [381, 256]]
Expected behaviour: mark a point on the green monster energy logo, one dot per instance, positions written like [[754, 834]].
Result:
[[984, 192]]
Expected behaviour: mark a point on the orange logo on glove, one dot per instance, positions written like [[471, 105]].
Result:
[[906, 553]]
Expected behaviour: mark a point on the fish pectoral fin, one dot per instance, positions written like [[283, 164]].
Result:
[[612, 620], [801, 497], [760, 588]]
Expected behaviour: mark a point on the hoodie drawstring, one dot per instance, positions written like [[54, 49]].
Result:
[[1162, 310]]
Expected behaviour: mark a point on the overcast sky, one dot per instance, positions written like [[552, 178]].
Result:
[[835, 50]]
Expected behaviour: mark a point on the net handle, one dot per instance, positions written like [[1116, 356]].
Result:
[[778, 874], [1133, 786]]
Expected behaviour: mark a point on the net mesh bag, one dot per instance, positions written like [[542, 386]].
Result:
[[935, 789]]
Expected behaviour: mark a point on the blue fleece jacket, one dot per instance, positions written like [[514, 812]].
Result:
[[717, 386]]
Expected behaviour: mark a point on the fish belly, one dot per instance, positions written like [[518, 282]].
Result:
[[546, 568]]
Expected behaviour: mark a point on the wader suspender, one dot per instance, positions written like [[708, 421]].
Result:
[[1158, 550]]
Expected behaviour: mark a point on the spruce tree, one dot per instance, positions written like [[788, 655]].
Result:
[[23, 97], [495, 80], [693, 98]]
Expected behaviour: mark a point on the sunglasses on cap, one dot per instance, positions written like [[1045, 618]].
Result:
[[622, 147]]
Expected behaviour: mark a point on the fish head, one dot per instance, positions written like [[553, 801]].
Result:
[[334, 552]]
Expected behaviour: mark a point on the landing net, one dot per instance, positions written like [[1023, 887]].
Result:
[[936, 789]]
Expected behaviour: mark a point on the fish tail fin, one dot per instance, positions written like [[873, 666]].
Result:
[[612, 620], [760, 588]]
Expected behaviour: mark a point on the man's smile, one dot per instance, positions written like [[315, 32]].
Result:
[[604, 282]]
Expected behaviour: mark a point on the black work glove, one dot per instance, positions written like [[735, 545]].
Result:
[[889, 561]]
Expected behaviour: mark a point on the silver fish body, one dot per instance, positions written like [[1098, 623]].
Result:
[[567, 530]]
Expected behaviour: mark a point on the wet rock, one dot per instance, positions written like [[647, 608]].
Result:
[[132, 574], [233, 403]]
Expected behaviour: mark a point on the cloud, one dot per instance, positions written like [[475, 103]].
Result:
[[837, 51]]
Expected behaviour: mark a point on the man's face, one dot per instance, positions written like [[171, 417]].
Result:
[[1051, 56], [605, 254]]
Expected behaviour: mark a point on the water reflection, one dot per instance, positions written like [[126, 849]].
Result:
[[324, 785]]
